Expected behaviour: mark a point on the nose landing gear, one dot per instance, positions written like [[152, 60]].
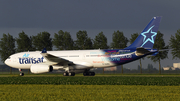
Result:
[[21, 73]]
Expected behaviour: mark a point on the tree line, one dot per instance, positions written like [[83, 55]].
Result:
[[63, 41]]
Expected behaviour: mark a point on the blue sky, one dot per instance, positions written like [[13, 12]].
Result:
[[94, 16]]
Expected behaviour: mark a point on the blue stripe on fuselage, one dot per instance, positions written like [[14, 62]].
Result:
[[122, 56]]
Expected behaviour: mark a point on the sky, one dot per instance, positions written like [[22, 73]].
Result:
[[94, 16]]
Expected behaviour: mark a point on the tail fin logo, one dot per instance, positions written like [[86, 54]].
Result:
[[148, 36]]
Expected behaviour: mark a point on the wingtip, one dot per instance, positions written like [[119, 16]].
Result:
[[44, 50]]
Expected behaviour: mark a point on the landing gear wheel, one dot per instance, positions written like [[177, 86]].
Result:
[[85, 73], [92, 73], [71, 74], [65, 74], [21, 74]]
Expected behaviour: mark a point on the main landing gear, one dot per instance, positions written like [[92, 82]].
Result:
[[21, 73], [88, 73], [68, 74]]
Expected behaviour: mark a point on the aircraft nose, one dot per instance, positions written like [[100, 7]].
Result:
[[6, 62]]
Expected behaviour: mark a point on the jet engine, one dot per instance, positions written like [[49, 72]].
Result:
[[41, 68]]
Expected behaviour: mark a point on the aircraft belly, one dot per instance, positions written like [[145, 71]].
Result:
[[22, 66]]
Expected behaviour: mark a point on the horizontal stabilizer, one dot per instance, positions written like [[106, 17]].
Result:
[[159, 51], [155, 54]]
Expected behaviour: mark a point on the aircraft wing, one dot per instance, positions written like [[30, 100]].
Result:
[[54, 59]]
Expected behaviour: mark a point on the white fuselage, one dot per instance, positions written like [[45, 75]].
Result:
[[96, 58]]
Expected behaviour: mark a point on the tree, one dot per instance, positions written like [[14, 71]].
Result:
[[100, 41], [119, 41], [88, 43], [63, 41], [83, 41], [132, 39], [159, 44], [24, 43], [174, 43], [42, 40], [7, 46]]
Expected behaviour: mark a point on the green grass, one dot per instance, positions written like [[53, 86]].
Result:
[[99, 80], [88, 93], [98, 88]]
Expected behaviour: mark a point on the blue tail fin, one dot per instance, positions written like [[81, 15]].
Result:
[[147, 37]]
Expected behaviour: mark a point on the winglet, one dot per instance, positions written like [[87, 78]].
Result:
[[44, 50]]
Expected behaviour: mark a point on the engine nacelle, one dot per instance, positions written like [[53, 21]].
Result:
[[41, 68]]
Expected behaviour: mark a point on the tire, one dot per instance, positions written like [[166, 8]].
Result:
[[21, 74], [65, 74], [92, 73], [71, 74], [86, 74]]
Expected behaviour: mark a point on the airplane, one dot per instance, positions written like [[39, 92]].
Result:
[[81, 61]]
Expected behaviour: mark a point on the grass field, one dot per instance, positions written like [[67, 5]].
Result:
[[99, 80], [98, 88], [88, 93]]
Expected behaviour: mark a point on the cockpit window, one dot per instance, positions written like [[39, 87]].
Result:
[[9, 57]]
